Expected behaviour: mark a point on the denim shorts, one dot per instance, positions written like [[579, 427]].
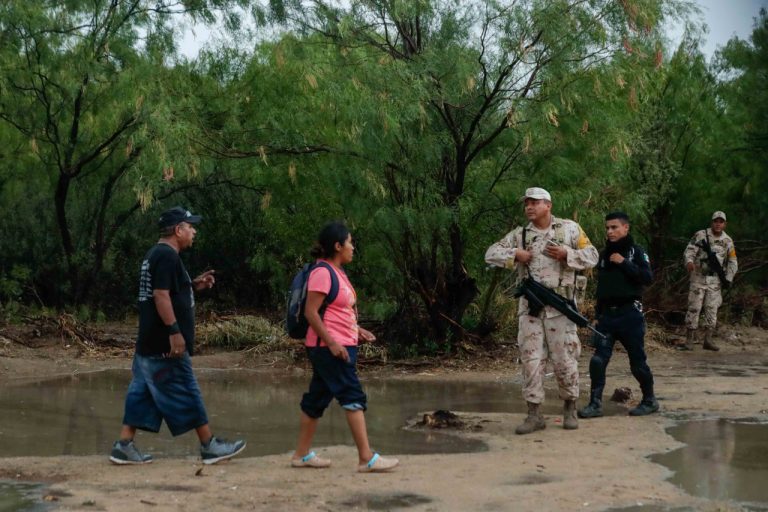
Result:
[[332, 378], [164, 389]]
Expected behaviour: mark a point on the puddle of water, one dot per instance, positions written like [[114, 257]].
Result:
[[652, 508], [535, 479], [739, 371], [82, 415], [726, 393], [20, 496], [722, 459], [384, 501]]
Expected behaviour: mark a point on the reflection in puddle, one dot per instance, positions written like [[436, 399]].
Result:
[[20, 496], [82, 415], [722, 459]]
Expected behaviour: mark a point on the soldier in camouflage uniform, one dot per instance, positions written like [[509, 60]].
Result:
[[705, 283], [550, 250]]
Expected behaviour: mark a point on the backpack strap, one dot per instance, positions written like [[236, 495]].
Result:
[[524, 243], [332, 293]]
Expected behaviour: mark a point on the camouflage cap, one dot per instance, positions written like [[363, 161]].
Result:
[[536, 193], [718, 215]]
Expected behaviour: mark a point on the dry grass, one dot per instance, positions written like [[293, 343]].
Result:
[[257, 336], [372, 352], [243, 332]]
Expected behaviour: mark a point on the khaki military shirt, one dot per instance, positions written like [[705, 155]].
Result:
[[557, 275], [724, 250]]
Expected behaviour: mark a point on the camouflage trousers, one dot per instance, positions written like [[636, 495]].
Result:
[[548, 339], [706, 297]]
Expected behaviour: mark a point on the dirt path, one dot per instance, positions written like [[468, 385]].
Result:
[[600, 466]]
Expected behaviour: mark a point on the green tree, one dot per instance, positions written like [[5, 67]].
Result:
[[88, 86], [742, 166], [442, 101]]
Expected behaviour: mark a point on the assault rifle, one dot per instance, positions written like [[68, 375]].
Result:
[[712, 262], [539, 296]]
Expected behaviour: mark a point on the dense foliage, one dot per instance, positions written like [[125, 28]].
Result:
[[419, 122]]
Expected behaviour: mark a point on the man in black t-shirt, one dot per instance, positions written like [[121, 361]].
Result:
[[162, 271], [163, 385], [623, 270]]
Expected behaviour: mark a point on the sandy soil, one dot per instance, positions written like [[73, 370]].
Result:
[[601, 465]]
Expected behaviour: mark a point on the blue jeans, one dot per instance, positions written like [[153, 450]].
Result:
[[164, 389], [332, 378]]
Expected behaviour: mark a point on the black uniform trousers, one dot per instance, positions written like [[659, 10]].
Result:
[[626, 324]]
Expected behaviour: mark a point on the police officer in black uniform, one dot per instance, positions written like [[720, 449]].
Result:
[[622, 272]]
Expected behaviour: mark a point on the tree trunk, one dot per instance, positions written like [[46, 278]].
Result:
[[659, 218], [60, 201], [446, 292]]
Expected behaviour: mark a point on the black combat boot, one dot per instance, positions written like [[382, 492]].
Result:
[[593, 410], [569, 415], [647, 406], [708, 343], [533, 422]]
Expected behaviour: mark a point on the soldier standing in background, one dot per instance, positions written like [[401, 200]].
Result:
[[708, 278], [550, 250]]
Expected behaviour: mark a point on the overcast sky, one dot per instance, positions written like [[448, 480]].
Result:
[[725, 18]]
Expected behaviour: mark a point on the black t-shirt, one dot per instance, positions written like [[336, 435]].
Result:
[[162, 269]]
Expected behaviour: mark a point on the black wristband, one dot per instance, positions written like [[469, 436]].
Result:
[[174, 328]]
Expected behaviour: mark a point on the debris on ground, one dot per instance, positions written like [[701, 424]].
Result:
[[621, 395], [441, 419]]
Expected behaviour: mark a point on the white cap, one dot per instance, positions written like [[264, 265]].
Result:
[[718, 215], [536, 193]]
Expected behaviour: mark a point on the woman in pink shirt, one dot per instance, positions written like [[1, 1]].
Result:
[[331, 343]]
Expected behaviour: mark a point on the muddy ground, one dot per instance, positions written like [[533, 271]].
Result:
[[600, 466]]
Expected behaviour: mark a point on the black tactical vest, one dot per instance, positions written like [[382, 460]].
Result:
[[613, 285]]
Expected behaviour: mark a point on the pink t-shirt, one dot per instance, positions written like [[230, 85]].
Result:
[[340, 317]]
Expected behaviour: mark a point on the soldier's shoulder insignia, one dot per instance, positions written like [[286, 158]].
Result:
[[646, 258], [583, 239], [732, 254]]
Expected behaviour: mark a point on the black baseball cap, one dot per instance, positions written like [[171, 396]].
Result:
[[177, 215]]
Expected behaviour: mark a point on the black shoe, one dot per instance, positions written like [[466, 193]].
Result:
[[645, 407], [592, 410]]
